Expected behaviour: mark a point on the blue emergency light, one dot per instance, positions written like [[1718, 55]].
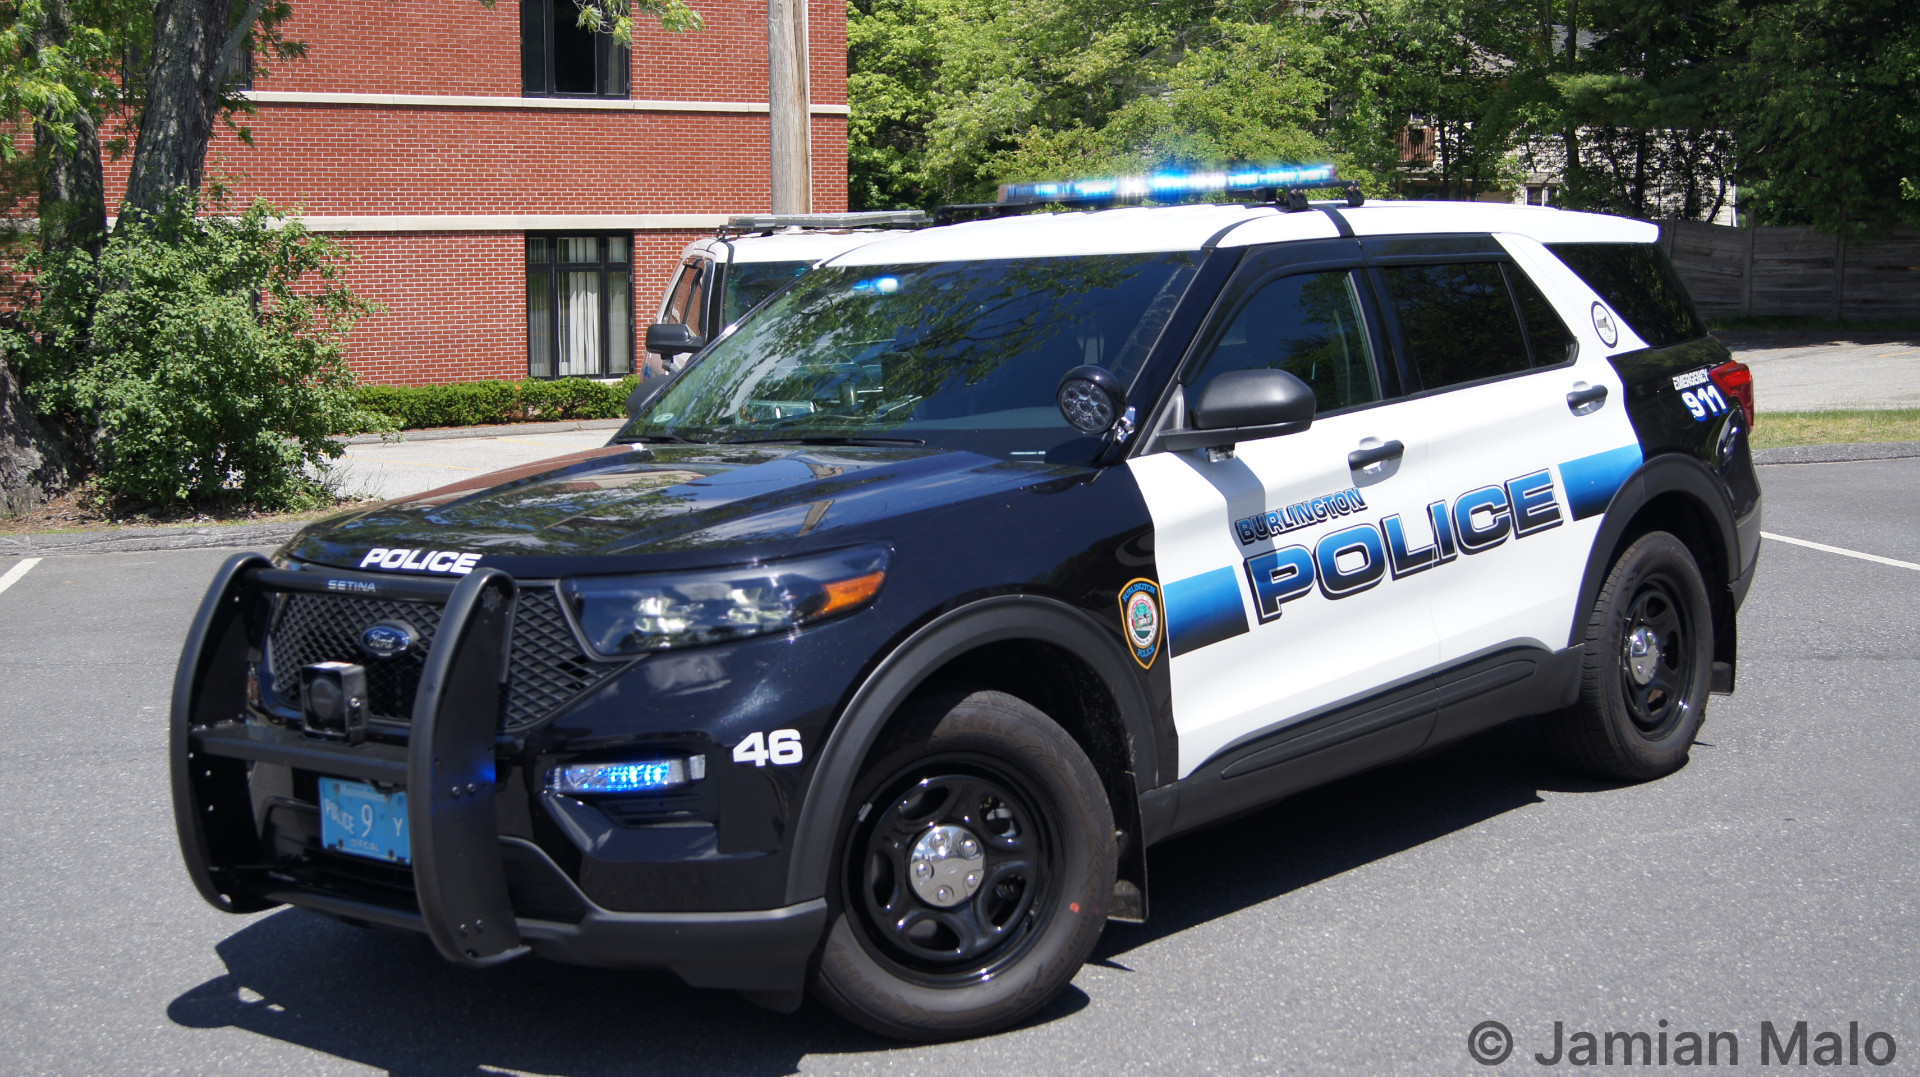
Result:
[[1172, 185], [589, 779]]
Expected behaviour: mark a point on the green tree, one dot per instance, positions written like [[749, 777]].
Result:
[[1824, 104]]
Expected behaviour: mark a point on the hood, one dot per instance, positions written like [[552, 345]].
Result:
[[663, 505]]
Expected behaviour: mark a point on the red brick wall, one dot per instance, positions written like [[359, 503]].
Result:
[[457, 302]]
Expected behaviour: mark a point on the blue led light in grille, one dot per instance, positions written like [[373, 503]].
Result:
[[598, 779]]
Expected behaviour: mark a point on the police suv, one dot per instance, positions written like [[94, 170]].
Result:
[[723, 277], [883, 640]]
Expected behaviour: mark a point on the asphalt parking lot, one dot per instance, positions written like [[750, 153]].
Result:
[[1364, 928]]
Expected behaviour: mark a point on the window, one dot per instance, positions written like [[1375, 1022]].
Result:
[[1548, 338], [748, 283], [1308, 325], [1639, 283], [1458, 320], [560, 58], [684, 303], [579, 306]]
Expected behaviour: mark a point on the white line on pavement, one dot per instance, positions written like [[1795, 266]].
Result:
[[13, 574], [1822, 547]]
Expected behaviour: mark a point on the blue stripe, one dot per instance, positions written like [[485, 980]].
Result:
[[1203, 610], [1591, 481]]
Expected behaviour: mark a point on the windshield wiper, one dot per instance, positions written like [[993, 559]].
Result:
[[657, 439], [826, 439]]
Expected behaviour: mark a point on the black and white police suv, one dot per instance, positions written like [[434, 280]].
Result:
[[885, 638]]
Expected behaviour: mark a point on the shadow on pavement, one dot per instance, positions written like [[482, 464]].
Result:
[[388, 1001], [1323, 832]]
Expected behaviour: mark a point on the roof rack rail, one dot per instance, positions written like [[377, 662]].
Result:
[[771, 222], [1283, 186]]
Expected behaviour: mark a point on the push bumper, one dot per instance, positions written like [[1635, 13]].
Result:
[[460, 861]]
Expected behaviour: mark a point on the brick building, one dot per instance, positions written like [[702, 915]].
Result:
[[517, 190]]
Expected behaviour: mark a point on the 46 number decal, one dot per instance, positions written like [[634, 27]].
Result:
[[781, 748]]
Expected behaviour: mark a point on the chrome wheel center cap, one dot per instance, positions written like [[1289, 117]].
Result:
[[946, 866], [1643, 654]]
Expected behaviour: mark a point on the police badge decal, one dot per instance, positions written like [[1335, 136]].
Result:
[[1140, 619]]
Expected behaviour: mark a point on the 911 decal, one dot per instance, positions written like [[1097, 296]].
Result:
[[1702, 398]]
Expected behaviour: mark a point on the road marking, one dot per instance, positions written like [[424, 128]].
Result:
[[13, 574], [1824, 548]]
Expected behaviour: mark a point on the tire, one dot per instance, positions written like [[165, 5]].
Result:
[[1031, 826], [1646, 668]]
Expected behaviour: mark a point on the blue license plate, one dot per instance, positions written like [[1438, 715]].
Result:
[[356, 818]]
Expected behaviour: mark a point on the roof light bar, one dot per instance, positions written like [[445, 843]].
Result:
[[884, 218], [1165, 185]]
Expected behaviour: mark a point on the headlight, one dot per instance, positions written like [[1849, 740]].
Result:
[[637, 614]]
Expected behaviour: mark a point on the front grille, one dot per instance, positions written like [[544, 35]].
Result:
[[546, 668]]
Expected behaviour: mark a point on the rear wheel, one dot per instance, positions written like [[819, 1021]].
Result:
[[974, 874], [1648, 661]]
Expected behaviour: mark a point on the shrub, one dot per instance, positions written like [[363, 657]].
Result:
[[481, 403], [206, 356]]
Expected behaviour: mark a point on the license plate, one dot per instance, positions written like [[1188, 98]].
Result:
[[356, 818]]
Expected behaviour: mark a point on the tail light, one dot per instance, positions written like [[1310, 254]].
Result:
[[1735, 380]]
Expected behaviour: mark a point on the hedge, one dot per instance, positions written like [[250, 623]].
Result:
[[482, 403]]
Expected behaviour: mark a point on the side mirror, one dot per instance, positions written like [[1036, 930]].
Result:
[[668, 339], [1245, 405]]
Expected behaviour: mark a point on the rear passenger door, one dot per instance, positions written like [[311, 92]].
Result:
[[1274, 566], [1523, 429]]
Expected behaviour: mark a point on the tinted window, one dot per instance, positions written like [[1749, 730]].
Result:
[[1548, 337], [963, 355], [750, 282], [1458, 321], [1308, 325], [1639, 283]]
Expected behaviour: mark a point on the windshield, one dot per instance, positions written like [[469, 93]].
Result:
[[748, 283], [962, 355]]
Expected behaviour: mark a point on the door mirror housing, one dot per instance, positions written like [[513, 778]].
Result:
[[668, 339], [1245, 405]]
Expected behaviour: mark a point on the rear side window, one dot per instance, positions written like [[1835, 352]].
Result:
[[1547, 336], [1458, 321], [1638, 281], [1308, 325]]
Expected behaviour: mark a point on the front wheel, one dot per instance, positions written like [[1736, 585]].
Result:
[[1647, 666], [974, 873]]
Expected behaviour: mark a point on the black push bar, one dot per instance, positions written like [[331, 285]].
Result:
[[447, 766]]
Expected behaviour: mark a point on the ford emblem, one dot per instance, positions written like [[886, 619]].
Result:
[[387, 639]]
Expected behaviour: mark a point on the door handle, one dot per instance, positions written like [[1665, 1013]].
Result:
[[1587, 401], [1378, 454]]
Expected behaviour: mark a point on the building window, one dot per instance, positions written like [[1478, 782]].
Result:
[[558, 58], [579, 306]]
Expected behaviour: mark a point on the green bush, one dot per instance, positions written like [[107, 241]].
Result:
[[483, 403], [203, 358]]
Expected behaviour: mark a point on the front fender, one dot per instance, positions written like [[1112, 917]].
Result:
[[907, 667]]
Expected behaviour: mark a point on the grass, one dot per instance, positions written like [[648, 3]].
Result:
[[1779, 429], [1812, 325]]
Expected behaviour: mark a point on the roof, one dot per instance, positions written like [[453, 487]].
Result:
[[807, 246], [1150, 229]]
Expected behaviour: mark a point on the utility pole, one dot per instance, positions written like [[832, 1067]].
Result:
[[789, 107]]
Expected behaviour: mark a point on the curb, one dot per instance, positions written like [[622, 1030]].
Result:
[[1838, 454], [449, 433], [141, 539]]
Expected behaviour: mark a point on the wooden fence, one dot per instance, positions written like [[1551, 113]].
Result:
[[1792, 271]]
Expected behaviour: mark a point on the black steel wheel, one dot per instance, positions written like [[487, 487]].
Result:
[[974, 873], [1646, 668]]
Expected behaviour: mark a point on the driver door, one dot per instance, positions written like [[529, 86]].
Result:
[[1291, 570]]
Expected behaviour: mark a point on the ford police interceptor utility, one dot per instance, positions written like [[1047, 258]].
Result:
[[885, 638], [723, 277]]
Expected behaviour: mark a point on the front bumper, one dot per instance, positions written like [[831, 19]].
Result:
[[481, 896]]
